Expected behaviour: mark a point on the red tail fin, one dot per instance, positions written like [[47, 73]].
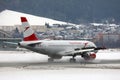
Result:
[[28, 33]]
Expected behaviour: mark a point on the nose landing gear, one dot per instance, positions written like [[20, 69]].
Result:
[[72, 60]]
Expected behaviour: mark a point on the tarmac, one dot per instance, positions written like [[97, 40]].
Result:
[[25, 65], [31, 60]]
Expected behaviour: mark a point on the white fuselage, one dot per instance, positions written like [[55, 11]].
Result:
[[55, 47]]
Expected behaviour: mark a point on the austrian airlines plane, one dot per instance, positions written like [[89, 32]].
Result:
[[55, 49]]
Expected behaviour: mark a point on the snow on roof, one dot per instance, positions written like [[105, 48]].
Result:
[[11, 18], [97, 24]]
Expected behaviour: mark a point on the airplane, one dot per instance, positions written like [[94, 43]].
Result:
[[56, 49]]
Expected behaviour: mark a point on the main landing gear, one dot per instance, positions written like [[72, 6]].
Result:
[[50, 59], [72, 60], [53, 57]]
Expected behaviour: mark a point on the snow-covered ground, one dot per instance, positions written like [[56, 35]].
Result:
[[27, 56], [36, 71], [69, 74]]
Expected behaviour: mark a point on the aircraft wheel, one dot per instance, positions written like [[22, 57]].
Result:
[[72, 60]]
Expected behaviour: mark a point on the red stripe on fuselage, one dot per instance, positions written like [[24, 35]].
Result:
[[31, 38]]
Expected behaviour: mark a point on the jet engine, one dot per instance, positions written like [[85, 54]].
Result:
[[89, 56]]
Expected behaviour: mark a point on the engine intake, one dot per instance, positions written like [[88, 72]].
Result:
[[89, 56]]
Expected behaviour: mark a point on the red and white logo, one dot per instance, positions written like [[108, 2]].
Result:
[[28, 33]]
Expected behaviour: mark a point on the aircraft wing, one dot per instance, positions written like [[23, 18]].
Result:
[[80, 51], [12, 43]]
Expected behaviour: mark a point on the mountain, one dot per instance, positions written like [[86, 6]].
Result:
[[12, 18], [74, 11]]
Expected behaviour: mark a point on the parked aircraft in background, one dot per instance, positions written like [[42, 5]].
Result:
[[56, 49]]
